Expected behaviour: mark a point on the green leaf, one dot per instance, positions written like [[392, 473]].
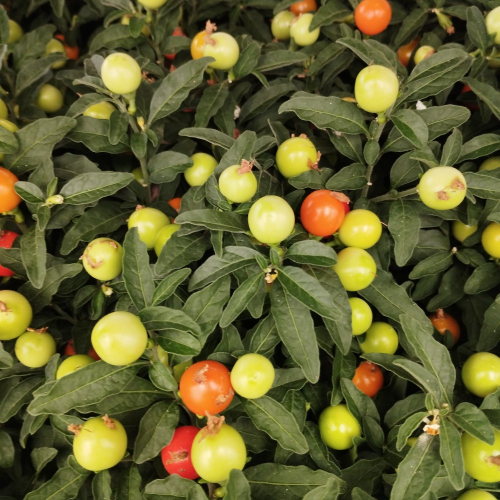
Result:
[[179, 251], [411, 26], [211, 101], [442, 119], [436, 73], [434, 356], [271, 481], [362, 475], [207, 134], [265, 336], [436, 263], [103, 219], [171, 488], [33, 71], [359, 404], [64, 484], [417, 470], [451, 288], [483, 278], [276, 59], [113, 37], [484, 184], [178, 342], [164, 318], [8, 141], [410, 425], [330, 491], [489, 335], [328, 14], [404, 408], [91, 383], [328, 113], [164, 167], [392, 300], [412, 127], [312, 252], [34, 255], [273, 418], [404, 226], [450, 450], [452, 148], [129, 484], [94, 135], [240, 298], [472, 420], [237, 486], [6, 359], [101, 486], [167, 287], [118, 126], [214, 220], [175, 88], [7, 451], [350, 177], [137, 274], [205, 306], [248, 60], [489, 95], [371, 52], [162, 377], [308, 290], [318, 449], [41, 297], [296, 330], [88, 188], [476, 28], [156, 430], [36, 142]]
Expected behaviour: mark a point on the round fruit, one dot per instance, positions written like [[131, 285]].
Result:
[[164, 235], [360, 229], [53, 47], [355, 268], [6, 241], [280, 25], [4, 112], [338, 427], [15, 32], [368, 378], [102, 259], [411, 441], [492, 24], [176, 456], [152, 4], [15, 314], [490, 164], [9, 199], [100, 111], [322, 213], [376, 88], [148, 222], [303, 7], [481, 373], [490, 240], [405, 52], [121, 74], [175, 203], [372, 16], [177, 32], [214, 456], [443, 321], [203, 167], [238, 184], [481, 459], [49, 99], [119, 338], [73, 363], [300, 32], [100, 444], [224, 49], [476, 495], [69, 350], [72, 53], [462, 231], [11, 127], [181, 368], [362, 315], [442, 188], [296, 156], [423, 53], [252, 376], [198, 44], [205, 388], [271, 220], [35, 348], [380, 337]]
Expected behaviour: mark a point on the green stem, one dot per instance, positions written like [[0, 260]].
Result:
[[369, 170], [65, 315], [395, 196]]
